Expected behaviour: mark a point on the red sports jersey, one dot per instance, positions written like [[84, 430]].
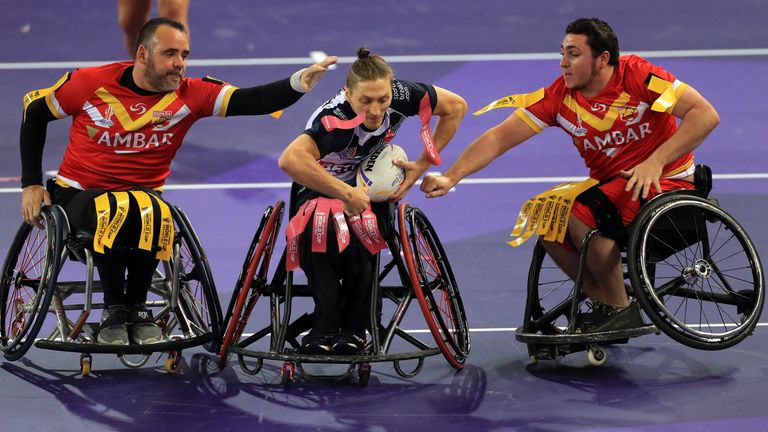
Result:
[[615, 130], [120, 139]]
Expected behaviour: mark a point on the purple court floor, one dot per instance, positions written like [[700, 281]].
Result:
[[227, 173]]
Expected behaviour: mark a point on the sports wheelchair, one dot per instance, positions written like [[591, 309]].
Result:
[[424, 273], [689, 264], [182, 295]]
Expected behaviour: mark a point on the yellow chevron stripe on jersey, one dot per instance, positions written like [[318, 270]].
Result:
[[125, 119], [601, 124], [165, 239], [547, 213], [515, 101], [147, 219], [37, 94]]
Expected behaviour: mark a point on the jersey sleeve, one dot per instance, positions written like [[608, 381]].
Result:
[[407, 96], [69, 93], [208, 96], [649, 81], [543, 113]]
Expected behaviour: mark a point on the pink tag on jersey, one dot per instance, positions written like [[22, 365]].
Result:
[[425, 115], [330, 122]]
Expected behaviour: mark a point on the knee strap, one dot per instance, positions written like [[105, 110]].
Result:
[[607, 215], [108, 226]]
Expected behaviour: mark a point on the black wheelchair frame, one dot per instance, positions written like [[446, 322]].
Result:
[[425, 275], [685, 260], [182, 293]]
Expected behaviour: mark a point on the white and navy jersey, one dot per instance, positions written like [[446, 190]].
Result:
[[342, 150]]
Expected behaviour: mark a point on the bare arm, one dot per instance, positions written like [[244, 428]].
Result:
[[491, 144], [299, 160], [450, 109], [698, 119]]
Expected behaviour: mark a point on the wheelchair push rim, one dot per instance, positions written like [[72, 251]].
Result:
[[200, 303], [434, 285], [28, 283], [708, 295], [254, 275]]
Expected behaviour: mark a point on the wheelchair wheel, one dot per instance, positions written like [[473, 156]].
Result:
[[550, 293], [695, 272], [197, 292], [253, 277], [28, 283], [434, 285]]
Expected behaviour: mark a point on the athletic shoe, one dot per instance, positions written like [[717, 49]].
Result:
[[348, 344], [112, 329], [316, 345], [143, 328]]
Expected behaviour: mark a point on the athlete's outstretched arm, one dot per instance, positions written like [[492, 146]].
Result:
[[491, 144], [268, 98], [450, 109], [698, 119]]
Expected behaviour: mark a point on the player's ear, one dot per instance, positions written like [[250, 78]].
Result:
[[142, 53]]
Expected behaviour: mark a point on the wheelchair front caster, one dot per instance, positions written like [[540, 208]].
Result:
[[364, 374], [172, 364], [286, 374], [597, 356], [85, 364]]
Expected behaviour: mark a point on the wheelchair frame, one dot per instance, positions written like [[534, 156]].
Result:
[[424, 271], [30, 289], [672, 286]]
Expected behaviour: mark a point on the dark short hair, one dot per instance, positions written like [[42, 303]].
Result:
[[368, 67], [600, 37], [147, 31]]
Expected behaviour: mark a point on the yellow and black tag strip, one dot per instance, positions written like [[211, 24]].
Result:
[[147, 219], [121, 214], [513, 101], [165, 239], [547, 213], [107, 227], [103, 215]]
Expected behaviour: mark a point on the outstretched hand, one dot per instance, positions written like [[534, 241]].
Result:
[[436, 185], [413, 170], [314, 73]]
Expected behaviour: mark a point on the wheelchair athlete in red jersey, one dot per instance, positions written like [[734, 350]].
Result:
[[621, 114], [128, 121]]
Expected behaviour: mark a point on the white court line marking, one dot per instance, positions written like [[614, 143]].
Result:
[[429, 58], [468, 181], [514, 329]]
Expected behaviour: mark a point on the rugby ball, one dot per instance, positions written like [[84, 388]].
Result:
[[379, 174]]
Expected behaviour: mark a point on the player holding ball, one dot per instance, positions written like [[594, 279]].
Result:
[[354, 130]]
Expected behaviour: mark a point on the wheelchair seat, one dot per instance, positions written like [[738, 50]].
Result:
[[418, 262]]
